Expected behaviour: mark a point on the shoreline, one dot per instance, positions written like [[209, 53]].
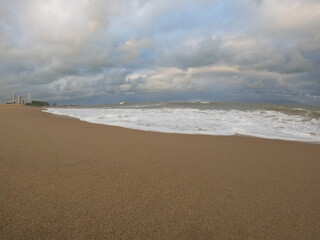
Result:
[[62, 178], [180, 133]]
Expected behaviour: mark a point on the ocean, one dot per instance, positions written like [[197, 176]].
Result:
[[272, 121]]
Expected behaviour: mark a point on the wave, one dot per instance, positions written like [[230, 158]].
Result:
[[275, 122]]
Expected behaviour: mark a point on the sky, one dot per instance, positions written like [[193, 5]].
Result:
[[106, 51]]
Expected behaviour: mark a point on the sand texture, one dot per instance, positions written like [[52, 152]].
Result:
[[61, 178]]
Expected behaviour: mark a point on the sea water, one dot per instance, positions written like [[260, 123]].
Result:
[[287, 122]]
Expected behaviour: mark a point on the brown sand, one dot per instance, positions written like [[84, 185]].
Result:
[[61, 178]]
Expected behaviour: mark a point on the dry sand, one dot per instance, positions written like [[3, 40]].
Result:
[[61, 178]]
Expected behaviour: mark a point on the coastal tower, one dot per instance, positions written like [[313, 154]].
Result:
[[13, 98], [19, 100], [29, 98]]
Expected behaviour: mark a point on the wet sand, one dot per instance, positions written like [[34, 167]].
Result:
[[61, 178]]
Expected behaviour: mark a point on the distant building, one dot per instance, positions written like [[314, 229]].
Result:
[[29, 98], [19, 100]]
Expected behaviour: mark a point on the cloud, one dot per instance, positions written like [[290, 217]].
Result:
[[291, 17], [209, 78], [84, 49]]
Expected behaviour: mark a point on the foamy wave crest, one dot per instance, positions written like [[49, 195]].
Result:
[[259, 123]]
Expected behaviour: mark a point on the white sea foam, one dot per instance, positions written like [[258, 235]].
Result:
[[260, 122]]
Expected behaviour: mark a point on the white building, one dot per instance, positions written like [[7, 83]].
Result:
[[29, 98]]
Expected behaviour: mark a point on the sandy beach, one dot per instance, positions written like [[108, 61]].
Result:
[[61, 178]]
